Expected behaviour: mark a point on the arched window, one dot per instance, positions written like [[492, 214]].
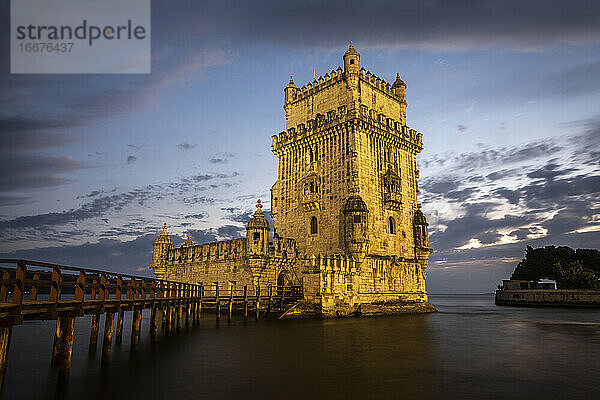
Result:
[[392, 225], [313, 226]]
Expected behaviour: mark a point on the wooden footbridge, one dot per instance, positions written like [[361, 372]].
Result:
[[32, 290]]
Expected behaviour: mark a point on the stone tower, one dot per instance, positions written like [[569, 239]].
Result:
[[346, 138], [348, 228], [347, 177]]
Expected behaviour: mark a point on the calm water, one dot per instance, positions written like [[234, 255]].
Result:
[[470, 349]]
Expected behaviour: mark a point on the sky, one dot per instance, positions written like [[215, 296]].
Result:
[[506, 94]]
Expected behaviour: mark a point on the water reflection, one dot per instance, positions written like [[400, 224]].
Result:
[[470, 349]]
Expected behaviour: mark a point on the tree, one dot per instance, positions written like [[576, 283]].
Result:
[[573, 276], [572, 269]]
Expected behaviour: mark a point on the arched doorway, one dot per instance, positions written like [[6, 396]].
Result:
[[282, 280]]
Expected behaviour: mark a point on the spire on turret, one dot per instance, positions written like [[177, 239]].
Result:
[[259, 207], [290, 90], [164, 236], [162, 244], [351, 51], [188, 241], [258, 220]]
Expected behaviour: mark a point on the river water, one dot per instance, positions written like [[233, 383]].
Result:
[[470, 349]]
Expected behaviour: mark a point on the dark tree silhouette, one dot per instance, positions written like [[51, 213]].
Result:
[[572, 269]]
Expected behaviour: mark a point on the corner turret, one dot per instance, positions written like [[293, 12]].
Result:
[[351, 60], [290, 90], [356, 225], [399, 89], [257, 232], [420, 229], [160, 252]]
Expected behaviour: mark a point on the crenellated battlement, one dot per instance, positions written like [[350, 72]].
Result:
[[329, 120], [336, 76], [233, 249], [226, 250], [317, 84], [380, 84]]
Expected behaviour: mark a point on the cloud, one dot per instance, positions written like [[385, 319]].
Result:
[[184, 190], [578, 80], [238, 215], [231, 231], [131, 159], [132, 257], [24, 134], [30, 171], [186, 146], [436, 25], [14, 200], [537, 193]]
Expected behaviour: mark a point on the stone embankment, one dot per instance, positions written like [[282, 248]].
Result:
[[556, 298]]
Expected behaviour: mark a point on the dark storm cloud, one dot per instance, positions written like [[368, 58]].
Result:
[[236, 214], [475, 224], [196, 216], [186, 146], [502, 174], [441, 184], [488, 157], [461, 195], [20, 134], [553, 193], [513, 196], [231, 231], [23, 168], [29, 171], [432, 24], [14, 200], [549, 172], [575, 81], [182, 191], [131, 257]]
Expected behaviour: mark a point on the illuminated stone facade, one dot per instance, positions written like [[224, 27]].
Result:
[[346, 194]]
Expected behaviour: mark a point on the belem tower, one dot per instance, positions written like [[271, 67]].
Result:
[[348, 228]]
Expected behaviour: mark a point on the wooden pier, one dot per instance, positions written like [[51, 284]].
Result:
[[31, 290]]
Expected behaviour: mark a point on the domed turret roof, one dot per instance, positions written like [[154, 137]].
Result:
[[258, 221], [291, 83], [355, 203], [164, 237], [398, 81], [351, 51], [419, 218]]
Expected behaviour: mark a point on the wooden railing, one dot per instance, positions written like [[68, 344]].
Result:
[[31, 290]]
